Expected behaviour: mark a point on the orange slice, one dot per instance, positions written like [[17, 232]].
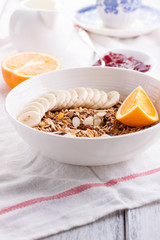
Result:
[[137, 109], [18, 67]]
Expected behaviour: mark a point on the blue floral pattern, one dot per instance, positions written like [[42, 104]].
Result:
[[130, 5], [127, 5], [111, 6]]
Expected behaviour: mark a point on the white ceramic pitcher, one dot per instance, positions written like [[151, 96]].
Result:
[[41, 25]]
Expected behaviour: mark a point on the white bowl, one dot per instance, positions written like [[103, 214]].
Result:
[[138, 55], [84, 151]]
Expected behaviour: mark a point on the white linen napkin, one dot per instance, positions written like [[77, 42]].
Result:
[[40, 197]]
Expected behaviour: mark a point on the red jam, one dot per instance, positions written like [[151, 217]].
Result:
[[121, 61]]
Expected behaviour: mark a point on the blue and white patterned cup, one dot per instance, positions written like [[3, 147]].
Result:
[[118, 13]]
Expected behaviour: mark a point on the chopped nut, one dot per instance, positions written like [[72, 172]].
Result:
[[69, 135], [88, 121], [97, 121], [105, 135], [76, 122], [70, 114], [101, 114]]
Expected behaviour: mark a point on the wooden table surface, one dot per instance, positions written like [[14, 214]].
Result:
[[136, 224]]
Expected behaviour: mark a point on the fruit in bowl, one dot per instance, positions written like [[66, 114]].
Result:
[[137, 109], [84, 150]]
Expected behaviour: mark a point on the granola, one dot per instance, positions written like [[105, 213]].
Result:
[[84, 122]]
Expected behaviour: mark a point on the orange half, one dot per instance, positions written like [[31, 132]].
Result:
[[18, 67], [137, 109]]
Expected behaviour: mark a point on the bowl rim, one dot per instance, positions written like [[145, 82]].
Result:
[[70, 137]]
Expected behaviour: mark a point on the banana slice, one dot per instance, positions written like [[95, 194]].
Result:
[[73, 99], [102, 100], [29, 108], [82, 96], [67, 99], [38, 105], [30, 118], [113, 98], [95, 99], [51, 99], [88, 101], [33, 106], [42, 101], [60, 98]]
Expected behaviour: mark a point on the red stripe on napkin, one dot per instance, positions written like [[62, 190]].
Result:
[[77, 190]]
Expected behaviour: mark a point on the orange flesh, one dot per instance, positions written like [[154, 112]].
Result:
[[19, 61], [37, 69], [138, 98], [35, 64]]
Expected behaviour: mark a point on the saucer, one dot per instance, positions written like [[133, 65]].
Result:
[[147, 21]]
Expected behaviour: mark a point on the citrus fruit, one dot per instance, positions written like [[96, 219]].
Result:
[[20, 66], [137, 109]]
